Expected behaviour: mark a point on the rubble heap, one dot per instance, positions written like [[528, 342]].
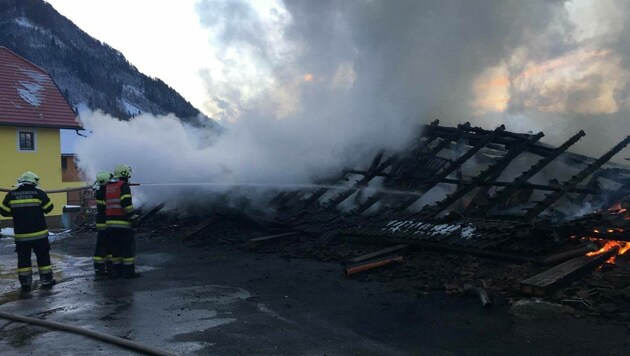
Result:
[[466, 210]]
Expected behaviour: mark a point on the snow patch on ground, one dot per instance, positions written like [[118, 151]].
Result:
[[130, 108], [24, 22]]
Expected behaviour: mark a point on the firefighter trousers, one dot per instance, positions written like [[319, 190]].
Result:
[[41, 247], [102, 254], [123, 247]]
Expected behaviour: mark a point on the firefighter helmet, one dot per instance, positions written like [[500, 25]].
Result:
[[102, 178], [29, 177], [122, 171]]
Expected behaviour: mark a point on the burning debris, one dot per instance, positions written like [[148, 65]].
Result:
[[504, 199]]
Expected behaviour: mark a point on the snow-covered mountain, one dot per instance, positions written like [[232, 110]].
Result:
[[89, 73]]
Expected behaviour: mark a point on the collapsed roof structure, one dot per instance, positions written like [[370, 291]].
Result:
[[464, 188]]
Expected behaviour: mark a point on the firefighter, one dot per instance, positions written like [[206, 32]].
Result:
[[102, 251], [27, 204], [120, 217]]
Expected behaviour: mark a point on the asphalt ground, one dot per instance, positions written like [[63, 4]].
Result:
[[218, 300]]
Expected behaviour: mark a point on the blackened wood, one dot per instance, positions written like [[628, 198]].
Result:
[[442, 246], [310, 201], [378, 253], [489, 174], [259, 240], [561, 275], [520, 181], [359, 184], [199, 227], [551, 198], [445, 172], [151, 213], [525, 185], [565, 255]]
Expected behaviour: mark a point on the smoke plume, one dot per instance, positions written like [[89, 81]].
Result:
[[307, 87]]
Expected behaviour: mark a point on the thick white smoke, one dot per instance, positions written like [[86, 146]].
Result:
[[306, 87]]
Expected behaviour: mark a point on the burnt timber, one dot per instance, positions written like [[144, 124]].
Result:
[[456, 188]]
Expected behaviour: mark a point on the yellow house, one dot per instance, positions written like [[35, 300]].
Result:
[[32, 111]]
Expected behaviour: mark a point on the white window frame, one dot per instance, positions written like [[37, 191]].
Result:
[[26, 130]]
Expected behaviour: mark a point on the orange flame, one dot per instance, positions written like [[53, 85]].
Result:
[[609, 245]]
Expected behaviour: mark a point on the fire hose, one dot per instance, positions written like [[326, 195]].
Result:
[[149, 350], [64, 190]]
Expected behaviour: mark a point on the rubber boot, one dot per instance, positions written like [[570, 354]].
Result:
[[129, 271], [26, 283], [99, 269], [117, 271], [46, 280], [109, 265]]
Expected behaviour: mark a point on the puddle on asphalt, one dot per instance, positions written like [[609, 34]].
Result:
[[155, 317]]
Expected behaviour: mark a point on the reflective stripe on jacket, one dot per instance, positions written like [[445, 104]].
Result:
[[99, 196], [27, 204]]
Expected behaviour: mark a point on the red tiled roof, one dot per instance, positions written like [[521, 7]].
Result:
[[29, 96]]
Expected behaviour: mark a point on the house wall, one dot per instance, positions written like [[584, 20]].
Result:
[[71, 173], [45, 161]]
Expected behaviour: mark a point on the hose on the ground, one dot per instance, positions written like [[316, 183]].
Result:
[[93, 334]]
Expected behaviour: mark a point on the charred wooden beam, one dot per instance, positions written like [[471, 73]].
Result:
[[551, 198], [561, 275], [199, 227], [520, 181], [593, 184], [565, 255], [443, 247], [151, 213], [263, 239], [454, 166], [434, 151], [525, 185], [489, 174], [497, 170], [310, 201], [360, 183], [381, 252], [506, 139]]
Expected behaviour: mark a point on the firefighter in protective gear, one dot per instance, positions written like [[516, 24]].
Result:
[[119, 219], [27, 204], [102, 252]]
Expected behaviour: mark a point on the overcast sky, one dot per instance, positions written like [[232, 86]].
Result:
[[380, 66]]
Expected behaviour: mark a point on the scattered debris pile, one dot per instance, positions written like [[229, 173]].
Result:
[[490, 213]]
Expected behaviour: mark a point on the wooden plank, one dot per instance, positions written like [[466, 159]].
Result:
[[561, 275], [378, 253], [565, 255], [151, 212], [197, 228], [259, 240], [361, 267], [440, 246]]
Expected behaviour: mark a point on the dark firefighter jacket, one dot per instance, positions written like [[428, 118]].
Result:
[[119, 207], [27, 204], [99, 196]]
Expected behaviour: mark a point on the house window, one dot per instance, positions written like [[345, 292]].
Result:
[[26, 140], [64, 163]]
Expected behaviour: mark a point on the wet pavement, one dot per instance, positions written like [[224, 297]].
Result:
[[218, 300]]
